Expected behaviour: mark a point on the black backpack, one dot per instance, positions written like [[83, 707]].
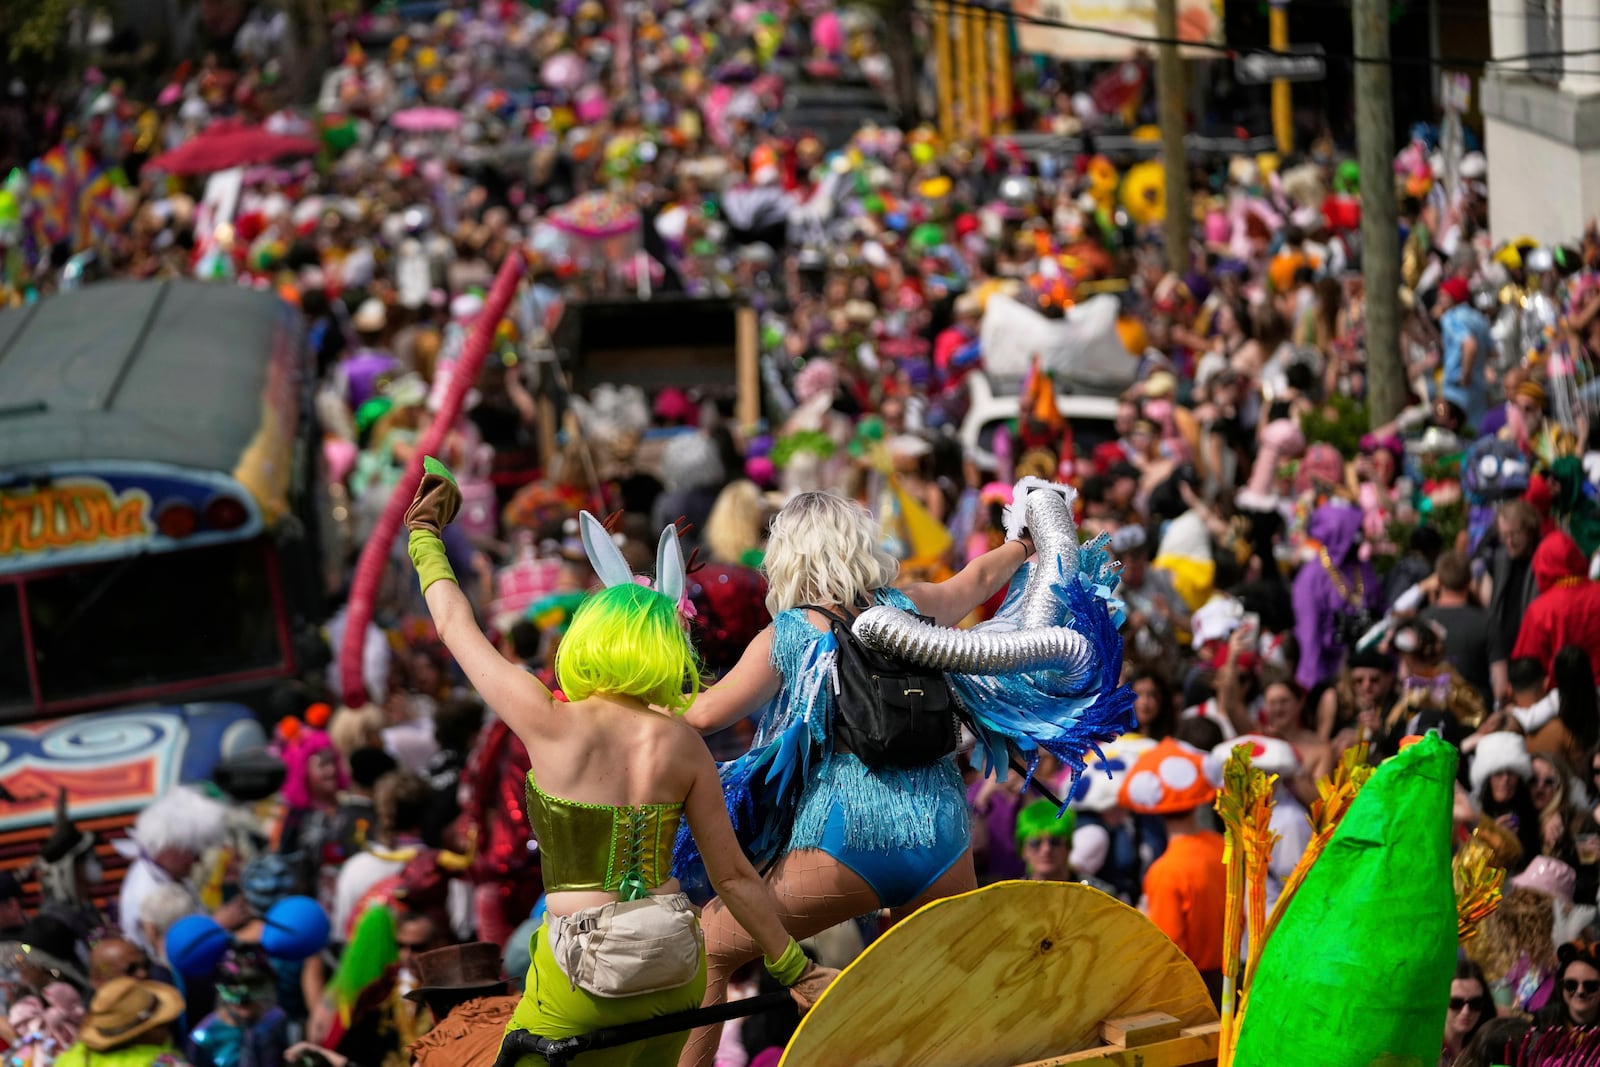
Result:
[[888, 712]]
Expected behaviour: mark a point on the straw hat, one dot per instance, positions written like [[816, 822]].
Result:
[[126, 1009]]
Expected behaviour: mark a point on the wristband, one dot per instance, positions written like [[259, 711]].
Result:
[[788, 968], [428, 557]]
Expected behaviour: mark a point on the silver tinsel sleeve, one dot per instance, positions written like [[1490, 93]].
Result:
[[942, 648], [1029, 634], [1055, 541]]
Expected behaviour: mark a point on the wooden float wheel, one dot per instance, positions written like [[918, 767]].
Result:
[[1010, 974]]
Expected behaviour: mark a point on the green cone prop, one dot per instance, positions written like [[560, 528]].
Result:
[[1358, 972]]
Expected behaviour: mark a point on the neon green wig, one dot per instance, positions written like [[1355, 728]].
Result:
[[627, 640], [1040, 818]]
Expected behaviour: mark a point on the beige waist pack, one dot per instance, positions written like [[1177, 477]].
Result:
[[630, 947]]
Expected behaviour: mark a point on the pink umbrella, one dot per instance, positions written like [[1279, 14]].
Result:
[[229, 143], [595, 216], [426, 120], [564, 70]]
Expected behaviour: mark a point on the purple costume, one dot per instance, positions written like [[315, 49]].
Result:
[[1318, 602]]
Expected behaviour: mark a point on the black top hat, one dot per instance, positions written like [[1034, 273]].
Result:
[[65, 840], [250, 776]]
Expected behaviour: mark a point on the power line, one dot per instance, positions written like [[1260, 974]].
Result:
[[1222, 51]]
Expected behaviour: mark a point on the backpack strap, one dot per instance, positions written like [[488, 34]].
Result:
[[846, 621]]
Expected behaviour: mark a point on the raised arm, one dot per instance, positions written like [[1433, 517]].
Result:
[[950, 601], [742, 691], [515, 695]]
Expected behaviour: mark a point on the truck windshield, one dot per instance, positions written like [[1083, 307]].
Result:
[[145, 621]]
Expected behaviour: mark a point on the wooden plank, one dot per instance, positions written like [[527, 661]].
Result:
[[747, 355], [1005, 975], [1195, 1046], [1146, 1028]]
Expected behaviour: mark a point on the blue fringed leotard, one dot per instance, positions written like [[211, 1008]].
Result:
[[898, 828]]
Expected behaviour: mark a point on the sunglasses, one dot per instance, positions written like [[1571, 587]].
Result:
[[1041, 841], [1590, 986], [1457, 1003]]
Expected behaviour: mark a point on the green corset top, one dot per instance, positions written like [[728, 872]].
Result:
[[612, 849]]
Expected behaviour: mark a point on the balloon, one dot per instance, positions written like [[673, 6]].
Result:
[[564, 70], [827, 34], [296, 929], [927, 235], [195, 945]]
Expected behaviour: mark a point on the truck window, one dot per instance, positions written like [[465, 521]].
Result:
[[151, 620], [14, 692]]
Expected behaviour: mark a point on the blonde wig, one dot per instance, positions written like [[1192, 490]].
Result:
[[737, 523], [353, 728], [1522, 926], [824, 549]]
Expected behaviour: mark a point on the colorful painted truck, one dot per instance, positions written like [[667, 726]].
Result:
[[159, 524]]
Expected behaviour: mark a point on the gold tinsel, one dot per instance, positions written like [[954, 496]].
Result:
[[1244, 805], [1478, 881]]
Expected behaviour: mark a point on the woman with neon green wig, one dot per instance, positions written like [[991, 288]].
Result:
[[614, 771]]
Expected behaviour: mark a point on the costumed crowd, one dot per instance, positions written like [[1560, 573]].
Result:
[[410, 876]]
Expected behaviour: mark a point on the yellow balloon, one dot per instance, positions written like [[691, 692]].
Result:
[[1144, 193]]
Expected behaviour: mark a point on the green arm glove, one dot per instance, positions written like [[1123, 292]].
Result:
[[437, 502]]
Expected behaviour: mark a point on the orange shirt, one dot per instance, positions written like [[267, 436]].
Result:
[[1186, 890]]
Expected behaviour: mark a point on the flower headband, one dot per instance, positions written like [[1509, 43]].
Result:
[[606, 559]]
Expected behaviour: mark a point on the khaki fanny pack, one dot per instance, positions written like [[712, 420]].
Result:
[[630, 947]]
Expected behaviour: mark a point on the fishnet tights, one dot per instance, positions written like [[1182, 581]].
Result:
[[812, 892]]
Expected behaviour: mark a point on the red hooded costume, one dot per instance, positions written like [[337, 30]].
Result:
[[1567, 609]]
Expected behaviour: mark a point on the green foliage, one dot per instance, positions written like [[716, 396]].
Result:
[[1340, 422], [35, 29]]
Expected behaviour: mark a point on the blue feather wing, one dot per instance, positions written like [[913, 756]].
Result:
[[1042, 710]]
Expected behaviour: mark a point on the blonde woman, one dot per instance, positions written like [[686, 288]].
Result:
[[853, 840], [736, 530]]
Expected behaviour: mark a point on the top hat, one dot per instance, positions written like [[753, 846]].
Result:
[[475, 965]]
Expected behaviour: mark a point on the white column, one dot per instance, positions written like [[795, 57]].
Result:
[[1580, 32], [1508, 34]]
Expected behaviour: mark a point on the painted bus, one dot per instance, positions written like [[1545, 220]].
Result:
[[160, 517]]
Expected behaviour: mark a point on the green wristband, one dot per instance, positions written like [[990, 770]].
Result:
[[788, 967], [428, 557]]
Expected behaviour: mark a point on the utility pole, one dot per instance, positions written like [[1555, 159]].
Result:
[[1169, 87], [1282, 93], [1380, 233]]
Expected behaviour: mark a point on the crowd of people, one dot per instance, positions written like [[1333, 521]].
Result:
[[1291, 579]]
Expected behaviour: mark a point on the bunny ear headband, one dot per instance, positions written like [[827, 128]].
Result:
[[606, 559]]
